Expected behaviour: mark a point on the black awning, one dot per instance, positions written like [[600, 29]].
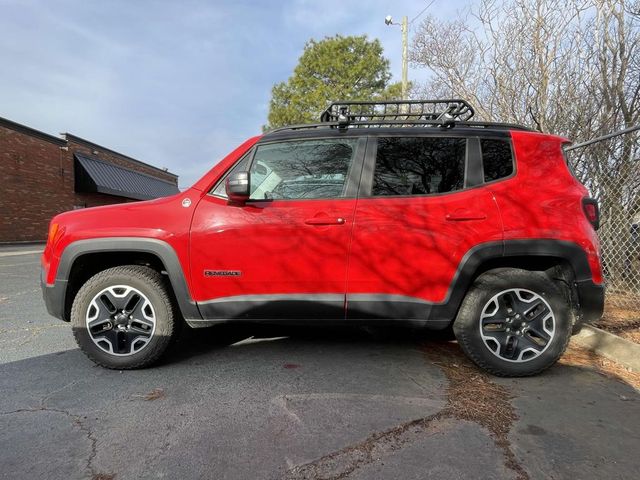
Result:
[[93, 175]]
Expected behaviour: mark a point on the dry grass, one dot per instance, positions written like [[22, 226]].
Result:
[[633, 335], [154, 394], [576, 356], [621, 321], [472, 396]]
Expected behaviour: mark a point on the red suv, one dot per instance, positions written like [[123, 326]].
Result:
[[402, 212]]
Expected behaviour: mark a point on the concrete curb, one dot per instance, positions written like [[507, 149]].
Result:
[[15, 254], [611, 346], [26, 248]]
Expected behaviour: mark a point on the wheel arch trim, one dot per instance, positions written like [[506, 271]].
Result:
[[480, 255], [468, 270], [159, 248]]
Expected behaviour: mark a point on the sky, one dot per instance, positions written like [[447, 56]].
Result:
[[178, 84]]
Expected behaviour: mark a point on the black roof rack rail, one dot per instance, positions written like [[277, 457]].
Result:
[[399, 112], [398, 123]]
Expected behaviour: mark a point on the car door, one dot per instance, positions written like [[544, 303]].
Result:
[[283, 254], [422, 209]]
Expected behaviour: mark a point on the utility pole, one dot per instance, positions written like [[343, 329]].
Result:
[[404, 26]]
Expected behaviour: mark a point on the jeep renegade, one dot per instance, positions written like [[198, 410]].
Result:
[[402, 212]]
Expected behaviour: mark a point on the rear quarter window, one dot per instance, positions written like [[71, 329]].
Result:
[[497, 158]]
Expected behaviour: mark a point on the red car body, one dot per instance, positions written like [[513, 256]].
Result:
[[360, 258]]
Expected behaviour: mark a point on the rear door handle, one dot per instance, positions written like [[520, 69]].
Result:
[[325, 221], [465, 215]]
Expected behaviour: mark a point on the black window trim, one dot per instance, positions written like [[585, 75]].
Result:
[[473, 172], [360, 185], [352, 180]]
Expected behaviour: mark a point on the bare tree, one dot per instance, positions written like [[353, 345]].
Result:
[[570, 67]]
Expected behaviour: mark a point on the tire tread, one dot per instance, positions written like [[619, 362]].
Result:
[[470, 310], [154, 280]]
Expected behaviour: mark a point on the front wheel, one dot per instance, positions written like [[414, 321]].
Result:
[[123, 317], [513, 322]]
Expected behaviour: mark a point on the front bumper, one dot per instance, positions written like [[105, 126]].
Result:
[[590, 301], [54, 296]]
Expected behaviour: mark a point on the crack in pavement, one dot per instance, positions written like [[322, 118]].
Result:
[[340, 464], [78, 421], [471, 396]]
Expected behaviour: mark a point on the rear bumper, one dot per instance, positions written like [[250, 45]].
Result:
[[54, 296], [591, 302]]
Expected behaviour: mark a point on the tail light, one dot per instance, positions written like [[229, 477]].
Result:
[[591, 211]]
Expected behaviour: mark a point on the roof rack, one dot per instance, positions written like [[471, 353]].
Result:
[[398, 112], [445, 113]]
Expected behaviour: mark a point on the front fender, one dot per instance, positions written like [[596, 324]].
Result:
[[55, 294]]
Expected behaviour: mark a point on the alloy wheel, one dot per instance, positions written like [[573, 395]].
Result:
[[517, 325], [121, 320]]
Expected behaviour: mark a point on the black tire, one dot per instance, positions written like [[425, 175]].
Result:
[[151, 284], [467, 326]]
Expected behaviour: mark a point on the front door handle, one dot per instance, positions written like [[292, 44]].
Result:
[[462, 215], [325, 221]]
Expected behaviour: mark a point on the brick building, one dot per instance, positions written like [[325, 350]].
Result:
[[42, 175]]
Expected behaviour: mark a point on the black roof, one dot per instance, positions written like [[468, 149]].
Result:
[[461, 130], [93, 175], [75, 138]]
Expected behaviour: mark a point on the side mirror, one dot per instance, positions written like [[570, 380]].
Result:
[[237, 187]]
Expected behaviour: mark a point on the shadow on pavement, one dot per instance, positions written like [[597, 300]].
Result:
[[193, 342], [261, 401]]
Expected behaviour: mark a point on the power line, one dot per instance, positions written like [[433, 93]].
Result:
[[423, 10]]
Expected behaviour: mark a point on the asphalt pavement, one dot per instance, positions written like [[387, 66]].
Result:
[[245, 402]]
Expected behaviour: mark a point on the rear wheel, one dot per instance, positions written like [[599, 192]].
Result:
[[513, 322], [123, 317]]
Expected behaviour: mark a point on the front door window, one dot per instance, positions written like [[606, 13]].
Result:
[[308, 169]]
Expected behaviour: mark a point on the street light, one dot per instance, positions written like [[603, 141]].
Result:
[[404, 27]]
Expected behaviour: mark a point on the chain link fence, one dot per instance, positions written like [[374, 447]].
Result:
[[609, 167]]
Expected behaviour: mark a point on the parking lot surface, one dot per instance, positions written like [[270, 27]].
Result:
[[282, 402]]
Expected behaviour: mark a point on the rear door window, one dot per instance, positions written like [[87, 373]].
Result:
[[419, 165]]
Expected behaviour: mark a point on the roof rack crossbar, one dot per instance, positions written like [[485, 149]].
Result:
[[400, 112]]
